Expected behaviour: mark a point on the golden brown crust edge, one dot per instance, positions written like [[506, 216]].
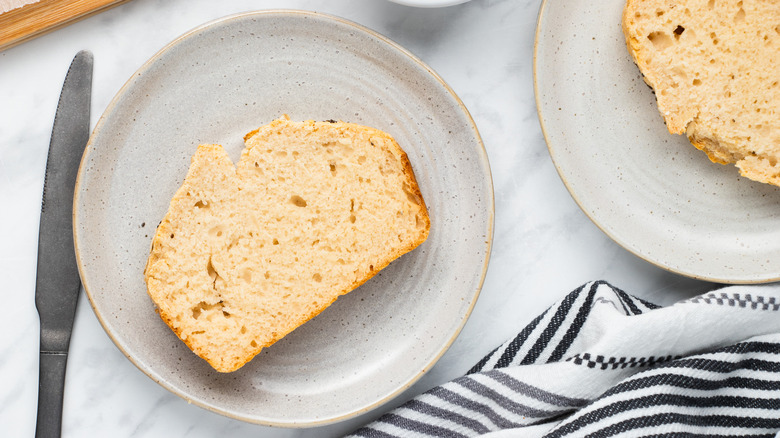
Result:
[[752, 167], [673, 125]]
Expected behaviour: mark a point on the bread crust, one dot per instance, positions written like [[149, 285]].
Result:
[[160, 267]]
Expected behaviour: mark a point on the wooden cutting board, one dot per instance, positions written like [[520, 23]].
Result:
[[21, 20]]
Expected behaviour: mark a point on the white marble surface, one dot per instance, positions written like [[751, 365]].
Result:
[[544, 245]]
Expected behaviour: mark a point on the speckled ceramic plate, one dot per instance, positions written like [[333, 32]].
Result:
[[429, 3], [215, 84], [652, 192]]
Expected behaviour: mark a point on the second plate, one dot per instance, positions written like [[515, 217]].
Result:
[[650, 191]]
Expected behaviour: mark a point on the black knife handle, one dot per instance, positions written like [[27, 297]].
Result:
[[51, 388]]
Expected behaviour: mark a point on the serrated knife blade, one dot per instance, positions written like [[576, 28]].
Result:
[[57, 284]]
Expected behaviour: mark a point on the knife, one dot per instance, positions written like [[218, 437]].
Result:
[[57, 286]]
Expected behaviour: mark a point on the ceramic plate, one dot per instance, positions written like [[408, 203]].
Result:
[[219, 82], [652, 192], [429, 3]]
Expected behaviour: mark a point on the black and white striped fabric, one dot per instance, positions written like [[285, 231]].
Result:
[[603, 363]]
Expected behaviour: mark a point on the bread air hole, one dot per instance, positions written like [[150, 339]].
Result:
[[211, 271], [206, 307], [740, 15], [213, 274], [297, 201], [202, 205], [317, 277], [660, 40], [246, 275], [216, 231], [413, 198], [714, 38]]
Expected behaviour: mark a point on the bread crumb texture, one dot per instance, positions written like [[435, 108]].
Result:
[[715, 68], [247, 253]]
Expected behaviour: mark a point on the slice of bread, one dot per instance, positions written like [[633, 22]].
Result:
[[715, 68], [248, 253]]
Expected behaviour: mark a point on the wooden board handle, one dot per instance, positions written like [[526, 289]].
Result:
[[35, 19]]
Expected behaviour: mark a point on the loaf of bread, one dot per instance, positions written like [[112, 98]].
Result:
[[247, 253], [715, 68]]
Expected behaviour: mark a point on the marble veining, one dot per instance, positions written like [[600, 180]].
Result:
[[544, 245]]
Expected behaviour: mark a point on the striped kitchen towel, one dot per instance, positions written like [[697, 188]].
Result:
[[603, 363]]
